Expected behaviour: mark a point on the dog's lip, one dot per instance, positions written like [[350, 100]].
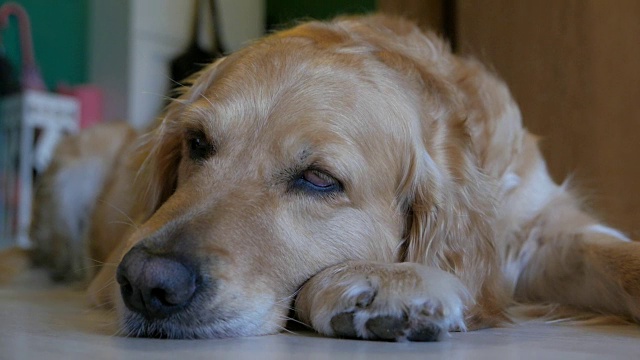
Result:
[[136, 325], [199, 322]]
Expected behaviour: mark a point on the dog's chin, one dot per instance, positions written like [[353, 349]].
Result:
[[136, 325]]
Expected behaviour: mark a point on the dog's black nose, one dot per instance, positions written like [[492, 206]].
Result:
[[155, 286]]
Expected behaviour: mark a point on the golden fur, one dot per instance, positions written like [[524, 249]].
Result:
[[445, 216]]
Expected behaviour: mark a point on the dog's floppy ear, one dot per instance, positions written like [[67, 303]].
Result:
[[451, 221], [159, 152], [451, 225], [450, 214], [450, 209]]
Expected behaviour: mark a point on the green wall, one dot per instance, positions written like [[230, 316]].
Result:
[[60, 31], [282, 12], [60, 35]]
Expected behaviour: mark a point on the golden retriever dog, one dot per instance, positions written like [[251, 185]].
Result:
[[354, 174]]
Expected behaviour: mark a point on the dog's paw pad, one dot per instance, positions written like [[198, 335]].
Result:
[[343, 325], [392, 328], [387, 327], [384, 327], [427, 332]]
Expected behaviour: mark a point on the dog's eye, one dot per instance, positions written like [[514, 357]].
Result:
[[316, 180], [199, 146]]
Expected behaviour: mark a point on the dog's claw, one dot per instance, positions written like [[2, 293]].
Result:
[[365, 299]]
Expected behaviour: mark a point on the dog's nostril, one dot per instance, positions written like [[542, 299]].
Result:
[[161, 296], [126, 290], [168, 299]]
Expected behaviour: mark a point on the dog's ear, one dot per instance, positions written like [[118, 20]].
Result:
[[159, 151], [451, 224], [451, 220], [450, 207], [448, 197]]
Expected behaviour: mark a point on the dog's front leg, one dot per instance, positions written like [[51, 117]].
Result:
[[380, 301]]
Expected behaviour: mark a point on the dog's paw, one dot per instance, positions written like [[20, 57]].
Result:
[[417, 323], [393, 302]]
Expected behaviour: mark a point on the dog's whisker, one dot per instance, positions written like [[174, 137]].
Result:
[[116, 222], [288, 306], [165, 97], [289, 297], [109, 283], [103, 263], [96, 266], [105, 305], [284, 329], [288, 318], [176, 82], [119, 333], [109, 324], [131, 222]]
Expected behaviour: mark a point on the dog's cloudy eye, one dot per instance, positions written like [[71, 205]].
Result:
[[318, 181], [199, 146]]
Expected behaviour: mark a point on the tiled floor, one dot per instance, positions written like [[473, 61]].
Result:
[[40, 321]]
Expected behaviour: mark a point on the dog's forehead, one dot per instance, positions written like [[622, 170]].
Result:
[[263, 79], [294, 85]]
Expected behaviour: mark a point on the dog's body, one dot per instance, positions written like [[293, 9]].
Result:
[[359, 171]]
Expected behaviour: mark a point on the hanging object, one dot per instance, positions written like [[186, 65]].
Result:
[[8, 81], [31, 78], [195, 57]]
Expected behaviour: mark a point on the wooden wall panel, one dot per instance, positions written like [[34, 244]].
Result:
[[574, 68], [427, 13]]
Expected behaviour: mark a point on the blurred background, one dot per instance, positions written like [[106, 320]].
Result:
[[572, 65]]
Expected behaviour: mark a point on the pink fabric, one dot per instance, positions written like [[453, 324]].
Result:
[[90, 99]]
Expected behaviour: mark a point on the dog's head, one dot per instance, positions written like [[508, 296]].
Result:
[[311, 147]]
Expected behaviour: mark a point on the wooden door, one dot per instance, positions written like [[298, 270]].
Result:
[[573, 66], [574, 69]]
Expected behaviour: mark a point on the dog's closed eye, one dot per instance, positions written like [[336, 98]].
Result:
[[313, 180]]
